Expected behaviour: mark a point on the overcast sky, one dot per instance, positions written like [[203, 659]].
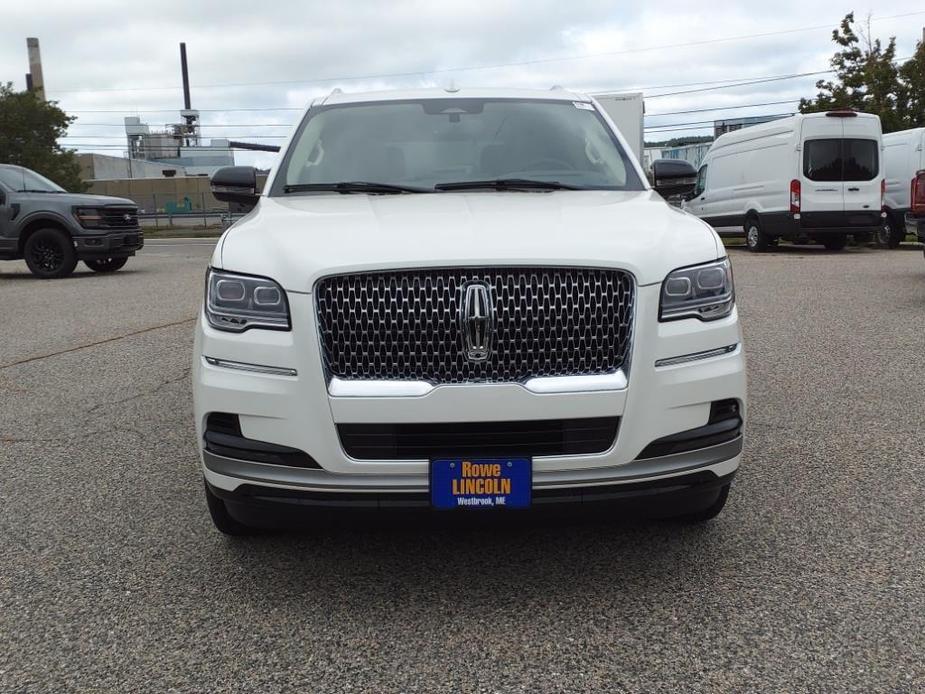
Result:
[[121, 59]]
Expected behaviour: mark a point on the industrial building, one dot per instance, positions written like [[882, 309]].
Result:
[[105, 167], [179, 146]]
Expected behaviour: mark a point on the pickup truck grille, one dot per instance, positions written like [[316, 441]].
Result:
[[407, 325], [120, 217]]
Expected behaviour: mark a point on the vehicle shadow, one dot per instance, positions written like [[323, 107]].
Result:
[[26, 276], [804, 249], [429, 561]]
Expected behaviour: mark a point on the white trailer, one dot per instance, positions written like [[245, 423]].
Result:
[[626, 110]]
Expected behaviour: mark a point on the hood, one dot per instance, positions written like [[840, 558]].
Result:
[[95, 200], [296, 240]]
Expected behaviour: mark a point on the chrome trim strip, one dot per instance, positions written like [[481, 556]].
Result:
[[322, 481], [360, 388], [349, 388], [695, 356], [577, 384], [250, 368]]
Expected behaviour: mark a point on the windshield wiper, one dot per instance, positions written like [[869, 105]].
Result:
[[506, 184], [36, 190], [354, 187]]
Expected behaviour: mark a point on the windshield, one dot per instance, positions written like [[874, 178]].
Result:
[[20, 179], [430, 142]]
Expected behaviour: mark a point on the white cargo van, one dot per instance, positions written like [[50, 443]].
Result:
[[814, 176], [903, 158], [627, 111]]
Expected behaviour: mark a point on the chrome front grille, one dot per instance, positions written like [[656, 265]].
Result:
[[407, 325]]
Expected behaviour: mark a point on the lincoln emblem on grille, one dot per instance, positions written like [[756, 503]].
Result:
[[476, 315]]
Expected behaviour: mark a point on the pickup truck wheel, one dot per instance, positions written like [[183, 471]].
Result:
[[222, 519], [106, 264], [755, 238], [835, 243], [50, 254]]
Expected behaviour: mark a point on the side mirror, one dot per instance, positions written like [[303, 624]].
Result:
[[673, 177], [236, 185]]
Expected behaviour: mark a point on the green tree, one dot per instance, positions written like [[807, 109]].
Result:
[[29, 133], [912, 77], [866, 78]]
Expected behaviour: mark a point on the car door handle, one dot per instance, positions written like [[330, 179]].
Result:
[[853, 190]]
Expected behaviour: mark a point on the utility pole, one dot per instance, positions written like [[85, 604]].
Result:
[[35, 82]]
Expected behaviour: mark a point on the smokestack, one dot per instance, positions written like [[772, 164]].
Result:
[[35, 82], [185, 71]]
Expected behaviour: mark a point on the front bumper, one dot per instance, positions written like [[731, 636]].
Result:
[[295, 408], [109, 244]]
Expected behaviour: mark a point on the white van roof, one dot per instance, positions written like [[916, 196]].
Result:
[[775, 127], [913, 134]]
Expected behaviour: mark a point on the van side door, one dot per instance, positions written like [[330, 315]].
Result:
[[821, 165], [698, 197], [862, 158], [898, 170]]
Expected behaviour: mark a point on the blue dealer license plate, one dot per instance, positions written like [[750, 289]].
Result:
[[481, 482]]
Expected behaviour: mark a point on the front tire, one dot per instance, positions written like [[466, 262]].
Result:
[[221, 519], [709, 512], [49, 254], [755, 239], [835, 243], [106, 264]]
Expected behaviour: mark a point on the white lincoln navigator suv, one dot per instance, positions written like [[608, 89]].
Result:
[[464, 302]]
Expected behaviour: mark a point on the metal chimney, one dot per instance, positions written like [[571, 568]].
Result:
[[35, 82], [183, 69]]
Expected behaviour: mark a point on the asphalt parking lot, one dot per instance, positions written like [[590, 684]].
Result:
[[813, 578]]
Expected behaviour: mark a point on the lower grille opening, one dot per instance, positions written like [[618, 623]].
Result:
[[725, 424], [223, 437], [478, 439]]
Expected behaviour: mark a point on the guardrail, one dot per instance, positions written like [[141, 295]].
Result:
[[205, 218]]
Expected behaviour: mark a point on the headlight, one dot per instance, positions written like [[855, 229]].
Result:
[[703, 291], [238, 302], [89, 217]]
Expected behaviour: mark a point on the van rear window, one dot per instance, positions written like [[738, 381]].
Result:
[[860, 160], [840, 159]]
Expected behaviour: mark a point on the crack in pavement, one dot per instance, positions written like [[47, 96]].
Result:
[[95, 344], [144, 393]]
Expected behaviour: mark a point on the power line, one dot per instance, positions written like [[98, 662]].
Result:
[[214, 137], [711, 122], [130, 110], [521, 63], [755, 81], [743, 84], [201, 125], [718, 84], [722, 108], [289, 125]]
